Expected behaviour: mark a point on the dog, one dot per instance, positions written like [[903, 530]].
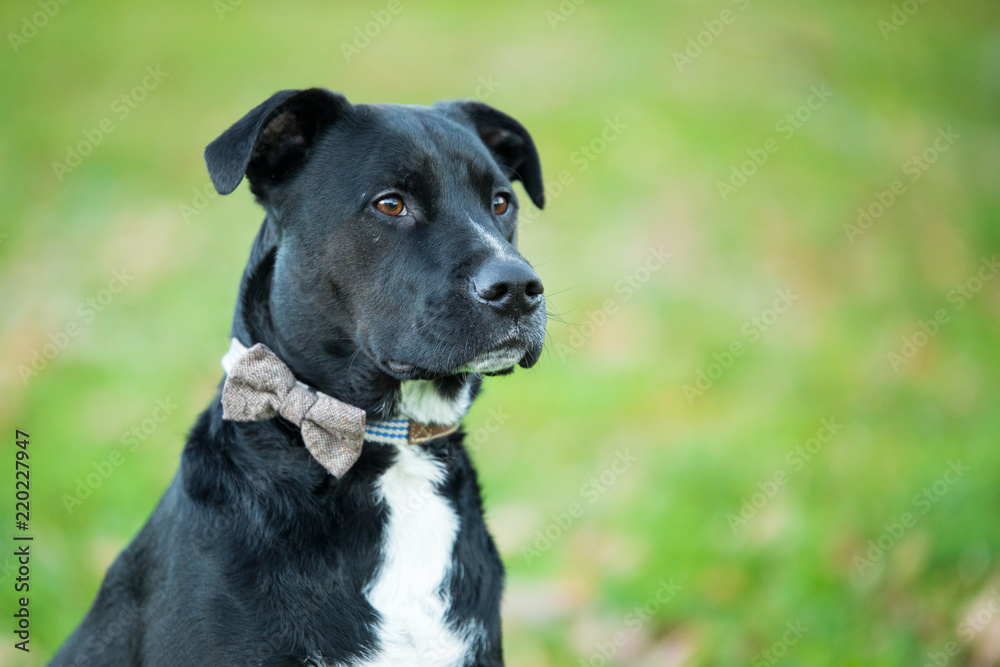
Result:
[[333, 517]]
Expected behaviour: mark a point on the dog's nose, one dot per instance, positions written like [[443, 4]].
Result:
[[508, 285]]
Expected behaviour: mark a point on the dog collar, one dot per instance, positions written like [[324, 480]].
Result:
[[403, 431], [396, 431]]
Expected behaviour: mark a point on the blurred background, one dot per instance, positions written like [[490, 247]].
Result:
[[765, 430]]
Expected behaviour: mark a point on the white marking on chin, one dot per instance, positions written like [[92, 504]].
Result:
[[497, 360], [421, 401], [410, 590]]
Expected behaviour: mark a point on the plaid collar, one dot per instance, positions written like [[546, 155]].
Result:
[[403, 431]]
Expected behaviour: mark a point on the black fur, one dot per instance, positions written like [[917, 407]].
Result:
[[256, 555]]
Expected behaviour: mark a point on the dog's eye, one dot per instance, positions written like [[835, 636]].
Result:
[[391, 205], [500, 203]]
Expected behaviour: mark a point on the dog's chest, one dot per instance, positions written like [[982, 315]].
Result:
[[411, 587]]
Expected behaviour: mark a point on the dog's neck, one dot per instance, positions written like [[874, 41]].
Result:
[[342, 370]]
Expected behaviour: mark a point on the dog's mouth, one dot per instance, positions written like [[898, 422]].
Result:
[[499, 360]]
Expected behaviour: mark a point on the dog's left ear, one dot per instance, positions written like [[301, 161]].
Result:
[[507, 139], [272, 140]]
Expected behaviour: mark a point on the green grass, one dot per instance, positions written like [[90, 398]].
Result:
[[598, 391]]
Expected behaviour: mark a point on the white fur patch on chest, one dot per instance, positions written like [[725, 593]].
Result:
[[410, 589], [420, 400]]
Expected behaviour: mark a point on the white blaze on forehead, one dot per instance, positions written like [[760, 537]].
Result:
[[503, 250]]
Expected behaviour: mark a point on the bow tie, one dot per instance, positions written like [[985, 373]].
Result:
[[260, 386]]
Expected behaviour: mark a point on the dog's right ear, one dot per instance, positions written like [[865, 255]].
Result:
[[508, 141], [272, 141]]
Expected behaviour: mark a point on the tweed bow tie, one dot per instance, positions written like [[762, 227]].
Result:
[[260, 386]]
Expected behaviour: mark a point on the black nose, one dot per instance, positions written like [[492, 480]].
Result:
[[508, 285]]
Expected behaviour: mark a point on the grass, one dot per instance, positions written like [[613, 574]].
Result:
[[661, 523]]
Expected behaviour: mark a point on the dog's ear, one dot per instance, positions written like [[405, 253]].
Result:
[[271, 142], [507, 139]]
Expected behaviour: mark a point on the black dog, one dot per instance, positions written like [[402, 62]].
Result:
[[384, 276]]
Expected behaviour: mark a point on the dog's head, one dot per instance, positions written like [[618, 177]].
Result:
[[390, 237]]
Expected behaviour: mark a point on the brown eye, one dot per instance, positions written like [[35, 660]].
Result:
[[391, 205], [500, 203]]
